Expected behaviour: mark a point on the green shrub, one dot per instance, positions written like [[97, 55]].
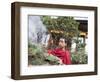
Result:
[[37, 55], [79, 57]]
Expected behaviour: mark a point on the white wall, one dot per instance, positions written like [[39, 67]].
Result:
[[5, 40]]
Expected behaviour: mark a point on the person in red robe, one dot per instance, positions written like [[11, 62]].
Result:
[[61, 52]]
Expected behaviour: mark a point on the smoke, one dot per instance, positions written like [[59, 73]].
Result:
[[37, 31]]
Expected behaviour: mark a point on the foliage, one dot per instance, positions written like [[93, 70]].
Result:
[[38, 56], [79, 56], [66, 27]]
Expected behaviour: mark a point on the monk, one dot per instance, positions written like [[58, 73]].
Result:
[[61, 52]]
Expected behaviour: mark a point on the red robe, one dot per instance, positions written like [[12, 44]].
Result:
[[63, 55]]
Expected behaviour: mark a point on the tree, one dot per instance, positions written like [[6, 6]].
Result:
[[62, 26]]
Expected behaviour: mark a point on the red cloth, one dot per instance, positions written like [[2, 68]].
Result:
[[63, 55]]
